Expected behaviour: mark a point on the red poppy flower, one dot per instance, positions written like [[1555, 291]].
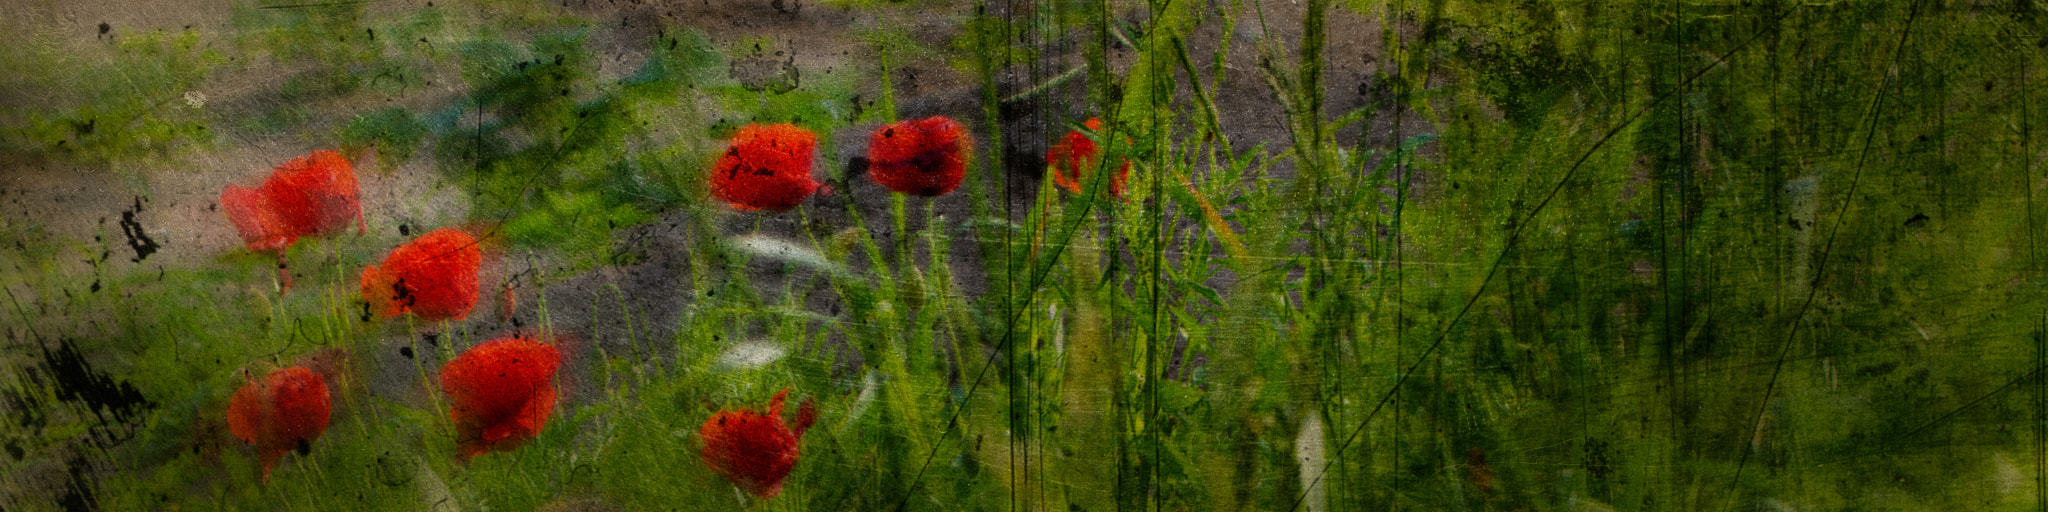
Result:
[[925, 157], [765, 168], [1075, 154], [309, 195], [262, 227], [284, 412], [503, 391], [434, 276], [756, 450]]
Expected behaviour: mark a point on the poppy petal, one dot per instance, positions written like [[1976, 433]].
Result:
[[261, 227], [926, 157], [1073, 156], [316, 193]]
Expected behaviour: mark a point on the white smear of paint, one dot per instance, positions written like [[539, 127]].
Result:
[[433, 493], [869, 384], [750, 355], [1308, 449], [766, 247]]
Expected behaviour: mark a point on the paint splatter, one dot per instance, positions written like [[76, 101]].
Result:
[[138, 239], [114, 402]]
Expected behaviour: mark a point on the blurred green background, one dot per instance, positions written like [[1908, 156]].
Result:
[[1392, 255]]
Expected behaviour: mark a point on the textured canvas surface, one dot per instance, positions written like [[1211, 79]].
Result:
[[1023, 255]]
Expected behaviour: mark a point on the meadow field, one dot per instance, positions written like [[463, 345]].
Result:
[[1046, 255]]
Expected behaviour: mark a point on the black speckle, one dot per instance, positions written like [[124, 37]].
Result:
[[137, 238], [1919, 219], [405, 351], [115, 402], [78, 491], [856, 166], [104, 28]]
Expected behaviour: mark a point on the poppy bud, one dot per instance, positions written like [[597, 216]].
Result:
[[503, 392], [1075, 154], [926, 157], [765, 168], [755, 450], [434, 276], [283, 412]]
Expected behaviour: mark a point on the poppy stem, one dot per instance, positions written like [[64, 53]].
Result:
[[888, 90], [868, 244], [935, 255], [427, 383], [540, 294], [507, 306], [284, 274], [897, 213], [448, 340]]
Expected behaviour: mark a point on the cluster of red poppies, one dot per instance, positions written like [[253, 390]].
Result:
[[768, 167], [502, 391], [433, 277]]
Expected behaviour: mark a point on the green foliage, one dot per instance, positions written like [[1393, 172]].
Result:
[[990, 37], [394, 131], [135, 100], [558, 159]]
